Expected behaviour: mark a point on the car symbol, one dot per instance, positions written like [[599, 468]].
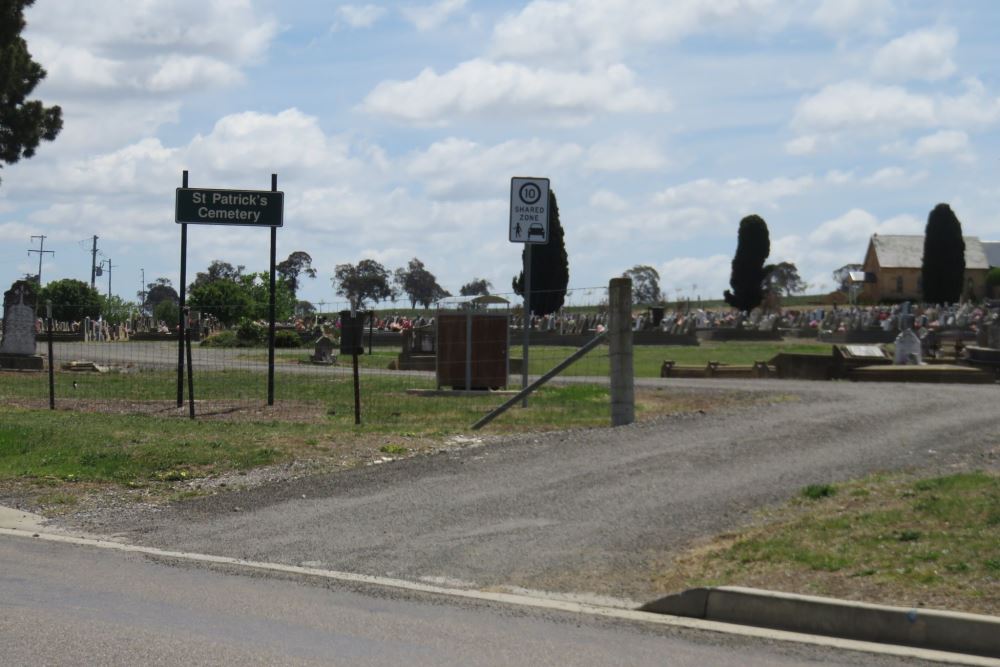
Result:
[[536, 229]]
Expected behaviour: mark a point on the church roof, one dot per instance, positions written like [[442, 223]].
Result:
[[906, 251]]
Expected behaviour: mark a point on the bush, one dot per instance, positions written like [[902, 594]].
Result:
[[222, 339], [251, 332], [167, 311], [286, 338]]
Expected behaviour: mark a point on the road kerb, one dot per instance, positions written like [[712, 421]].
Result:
[[923, 628]]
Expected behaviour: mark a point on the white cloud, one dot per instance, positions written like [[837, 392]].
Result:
[[708, 275], [481, 87], [177, 73], [857, 225], [428, 17], [359, 16], [601, 30], [854, 104], [608, 200], [844, 17], [739, 194], [894, 178], [953, 143], [460, 168], [923, 54], [625, 153]]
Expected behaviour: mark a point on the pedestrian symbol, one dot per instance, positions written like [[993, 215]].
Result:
[[529, 210]]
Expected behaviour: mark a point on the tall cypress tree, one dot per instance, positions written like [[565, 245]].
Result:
[[747, 277], [23, 122], [549, 268], [944, 257]]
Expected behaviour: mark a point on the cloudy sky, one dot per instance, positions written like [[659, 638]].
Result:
[[394, 129]]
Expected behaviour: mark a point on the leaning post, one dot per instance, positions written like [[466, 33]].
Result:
[[620, 351]]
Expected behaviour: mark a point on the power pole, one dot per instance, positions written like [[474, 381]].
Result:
[[142, 288], [41, 253], [93, 264], [108, 260]]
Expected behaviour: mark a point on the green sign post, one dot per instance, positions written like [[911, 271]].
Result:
[[253, 208]]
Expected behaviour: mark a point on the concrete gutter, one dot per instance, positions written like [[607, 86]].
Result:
[[924, 628]]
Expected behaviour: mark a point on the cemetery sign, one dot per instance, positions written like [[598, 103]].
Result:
[[253, 208]]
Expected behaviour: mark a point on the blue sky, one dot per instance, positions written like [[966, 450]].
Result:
[[395, 128]]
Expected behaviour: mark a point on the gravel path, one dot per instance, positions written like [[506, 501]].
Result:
[[585, 511]]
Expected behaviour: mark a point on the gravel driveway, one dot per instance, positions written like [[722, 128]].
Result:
[[584, 511]]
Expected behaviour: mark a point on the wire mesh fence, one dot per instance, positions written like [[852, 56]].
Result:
[[431, 369]]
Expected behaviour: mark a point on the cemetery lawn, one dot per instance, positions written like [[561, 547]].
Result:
[[648, 358], [889, 539]]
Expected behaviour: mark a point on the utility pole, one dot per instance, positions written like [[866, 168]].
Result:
[[41, 253], [108, 260], [142, 288], [93, 264]]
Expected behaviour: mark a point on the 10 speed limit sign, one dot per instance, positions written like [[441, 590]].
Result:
[[529, 210]]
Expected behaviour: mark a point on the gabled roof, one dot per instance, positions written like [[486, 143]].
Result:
[[992, 250], [899, 251]]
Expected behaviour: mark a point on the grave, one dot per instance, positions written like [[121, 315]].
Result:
[[323, 351], [17, 348]]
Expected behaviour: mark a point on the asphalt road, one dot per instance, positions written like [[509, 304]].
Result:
[[592, 511], [69, 605]]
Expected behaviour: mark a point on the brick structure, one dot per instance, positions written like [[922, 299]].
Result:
[[895, 261]]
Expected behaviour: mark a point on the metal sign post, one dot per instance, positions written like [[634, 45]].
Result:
[[529, 224], [247, 208]]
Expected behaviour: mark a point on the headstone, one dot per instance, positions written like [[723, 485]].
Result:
[[909, 350], [323, 351], [17, 348]]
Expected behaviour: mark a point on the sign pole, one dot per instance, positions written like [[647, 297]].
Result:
[[271, 314], [180, 317], [526, 321]]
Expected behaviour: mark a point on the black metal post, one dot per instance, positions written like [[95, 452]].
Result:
[[181, 306], [357, 387], [271, 309], [371, 331], [190, 367], [52, 368], [527, 321]]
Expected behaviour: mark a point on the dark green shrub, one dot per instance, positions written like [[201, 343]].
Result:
[[222, 339], [286, 338], [251, 332]]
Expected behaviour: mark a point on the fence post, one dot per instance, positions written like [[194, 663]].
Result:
[[620, 351], [52, 369]]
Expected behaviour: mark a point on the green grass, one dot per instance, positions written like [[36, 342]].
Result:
[[647, 359], [932, 539], [817, 491], [77, 447]]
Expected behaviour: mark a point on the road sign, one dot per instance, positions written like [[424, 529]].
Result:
[[529, 210], [253, 208]]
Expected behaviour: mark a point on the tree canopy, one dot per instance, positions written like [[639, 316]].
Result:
[[72, 300], [747, 277], [645, 284], [292, 267], [476, 287], [366, 281], [232, 295], [217, 270], [783, 278], [842, 276], [23, 123], [158, 291], [943, 269], [419, 284], [549, 267]]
